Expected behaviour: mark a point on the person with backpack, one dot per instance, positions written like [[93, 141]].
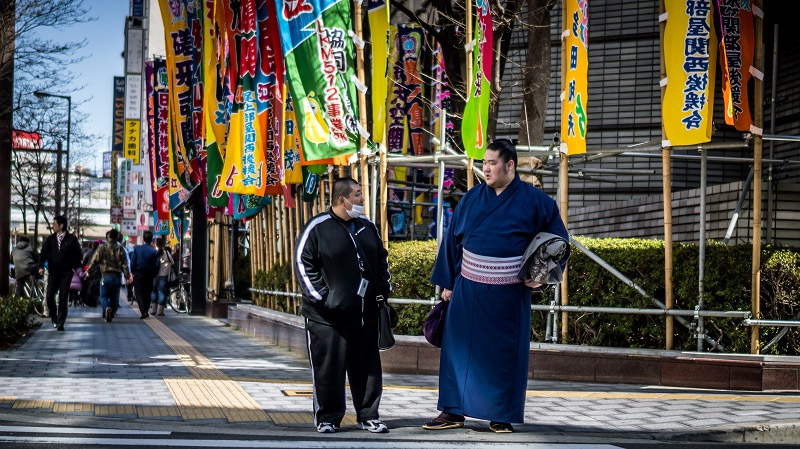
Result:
[[113, 262], [165, 264]]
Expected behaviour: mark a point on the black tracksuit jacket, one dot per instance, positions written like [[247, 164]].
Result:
[[327, 269]]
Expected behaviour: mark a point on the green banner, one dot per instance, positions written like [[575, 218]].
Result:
[[319, 54]]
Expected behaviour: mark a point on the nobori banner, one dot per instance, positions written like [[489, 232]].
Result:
[[319, 58], [690, 56], [576, 81]]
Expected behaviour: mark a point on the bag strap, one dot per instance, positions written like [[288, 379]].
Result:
[[361, 259]]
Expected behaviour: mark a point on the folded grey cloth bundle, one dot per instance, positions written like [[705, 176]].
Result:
[[545, 259]]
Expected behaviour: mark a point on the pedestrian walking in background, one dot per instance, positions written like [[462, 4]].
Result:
[[25, 263], [483, 369], [75, 286], [165, 263], [144, 266], [113, 262], [62, 254], [342, 267]]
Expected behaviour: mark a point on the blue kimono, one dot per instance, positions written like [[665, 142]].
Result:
[[483, 371]]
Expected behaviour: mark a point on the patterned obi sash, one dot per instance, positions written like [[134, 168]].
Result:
[[491, 270]]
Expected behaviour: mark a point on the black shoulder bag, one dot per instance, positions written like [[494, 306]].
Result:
[[387, 317]]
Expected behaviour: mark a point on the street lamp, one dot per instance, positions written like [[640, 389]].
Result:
[[41, 94]]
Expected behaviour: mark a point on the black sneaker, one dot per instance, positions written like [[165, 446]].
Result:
[[445, 421], [500, 427], [60, 328]]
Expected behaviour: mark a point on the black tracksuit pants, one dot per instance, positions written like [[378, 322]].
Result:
[[335, 351], [58, 281]]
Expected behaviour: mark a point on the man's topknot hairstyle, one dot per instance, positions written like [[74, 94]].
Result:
[[507, 149]]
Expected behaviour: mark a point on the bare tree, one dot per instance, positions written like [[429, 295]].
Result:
[[80, 191]]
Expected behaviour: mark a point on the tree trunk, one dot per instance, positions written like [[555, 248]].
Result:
[[535, 82], [7, 22]]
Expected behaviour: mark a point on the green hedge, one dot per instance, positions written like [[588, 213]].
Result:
[[727, 287], [15, 321]]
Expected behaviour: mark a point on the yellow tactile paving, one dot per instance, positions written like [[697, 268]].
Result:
[[32, 404], [157, 412], [298, 393], [201, 413], [72, 407], [124, 409], [7, 399]]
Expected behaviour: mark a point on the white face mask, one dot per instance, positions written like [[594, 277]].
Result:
[[356, 211]]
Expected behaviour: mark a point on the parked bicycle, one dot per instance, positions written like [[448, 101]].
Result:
[[34, 289], [180, 296]]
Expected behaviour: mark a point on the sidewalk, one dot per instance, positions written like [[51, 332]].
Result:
[[197, 370]]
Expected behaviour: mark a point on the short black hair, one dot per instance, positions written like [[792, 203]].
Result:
[[62, 220], [113, 235], [148, 237], [342, 187], [506, 148], [160, 242], [24, 238]]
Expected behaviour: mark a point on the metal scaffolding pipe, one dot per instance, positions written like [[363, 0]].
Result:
[[713, 158], [739, 204], [771, 323], [641, 291], [781, 138], [640, 311]]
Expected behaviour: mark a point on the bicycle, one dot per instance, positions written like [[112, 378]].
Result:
[[179, 298], [34, 289]]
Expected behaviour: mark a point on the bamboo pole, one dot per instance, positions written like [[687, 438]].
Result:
[[563, 181], [273, 233], [322, 195], [666, 179], [758, 149], [292, 238], [384, 201], [468, 85], [282, 223]]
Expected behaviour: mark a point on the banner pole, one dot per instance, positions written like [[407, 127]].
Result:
[[563, 182], [666, 180], [758, 149], [358, 26], [467, 85]]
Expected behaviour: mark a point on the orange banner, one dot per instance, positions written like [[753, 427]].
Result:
[[736, 58]]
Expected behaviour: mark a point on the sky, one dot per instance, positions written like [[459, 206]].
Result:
[[105, 40]]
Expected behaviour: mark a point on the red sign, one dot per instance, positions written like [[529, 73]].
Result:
[[116, 214], [24, 140]]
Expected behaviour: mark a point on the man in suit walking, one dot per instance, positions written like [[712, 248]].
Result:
[[62, 254]]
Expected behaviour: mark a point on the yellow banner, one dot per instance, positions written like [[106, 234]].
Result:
[[690, 55], [378, 15], [133, 133], [576, 85], [292, 173]]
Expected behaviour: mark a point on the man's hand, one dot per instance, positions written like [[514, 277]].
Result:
[[446, 294], [532, 284], [130, 279], [41, 271]]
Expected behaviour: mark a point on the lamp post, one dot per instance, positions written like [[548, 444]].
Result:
[[40, 94]]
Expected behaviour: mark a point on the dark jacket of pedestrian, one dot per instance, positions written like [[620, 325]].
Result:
[[24, 258], [63, 259]]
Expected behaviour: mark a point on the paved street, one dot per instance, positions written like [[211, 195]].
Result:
[[197, 375]]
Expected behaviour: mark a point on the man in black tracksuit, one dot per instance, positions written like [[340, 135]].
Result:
[[62, 253], [342, 266]]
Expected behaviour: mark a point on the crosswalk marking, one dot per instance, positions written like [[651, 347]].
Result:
[[80, 430]]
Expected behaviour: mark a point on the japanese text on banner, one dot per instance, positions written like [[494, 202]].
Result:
[[576, 55]]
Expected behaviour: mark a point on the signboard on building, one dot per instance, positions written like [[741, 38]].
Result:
[[133, 137], [106, 164], [24, 140], [119, 114], [137, 8], [133, 52], [133, 97]]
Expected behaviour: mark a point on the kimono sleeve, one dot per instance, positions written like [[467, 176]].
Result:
[[553, 223], [448, 260]]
